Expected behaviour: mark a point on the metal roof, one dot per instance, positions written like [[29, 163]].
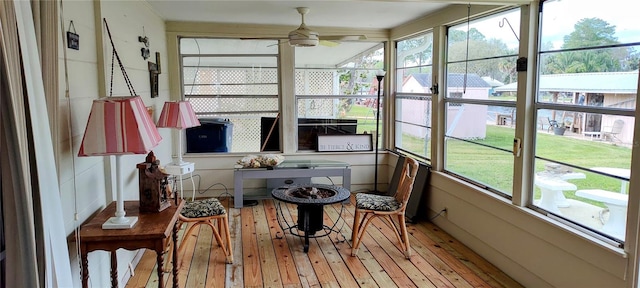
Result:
[[453, 80], [602, 82]]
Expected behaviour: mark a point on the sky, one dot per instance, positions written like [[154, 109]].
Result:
[[560, 17]]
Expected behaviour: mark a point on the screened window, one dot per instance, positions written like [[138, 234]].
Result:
[[585, 104], [480, 119], [336, 90], [232, 84], [413, 95]]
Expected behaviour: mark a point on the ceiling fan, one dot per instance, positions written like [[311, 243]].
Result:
[[305, 37]]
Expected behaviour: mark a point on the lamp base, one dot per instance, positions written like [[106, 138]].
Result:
[[120, 223]]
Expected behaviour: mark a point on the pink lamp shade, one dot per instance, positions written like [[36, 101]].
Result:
[[178, 114], [119, 125]]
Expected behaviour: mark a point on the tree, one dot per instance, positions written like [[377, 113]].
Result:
[[499, 68], [352, 79], [589, 33], [461, 36], [416, 51]]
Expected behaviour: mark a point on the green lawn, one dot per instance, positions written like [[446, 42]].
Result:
[[494, 167], [366, 118]]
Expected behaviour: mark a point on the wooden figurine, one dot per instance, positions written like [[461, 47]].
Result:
[[154, 185]]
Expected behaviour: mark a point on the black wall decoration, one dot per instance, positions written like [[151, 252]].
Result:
[[154, 71], [73, 39], [144, 51]]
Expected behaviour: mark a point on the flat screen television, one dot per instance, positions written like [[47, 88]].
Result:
[[308, 130]]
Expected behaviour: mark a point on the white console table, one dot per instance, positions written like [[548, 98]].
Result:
[[290, 169]]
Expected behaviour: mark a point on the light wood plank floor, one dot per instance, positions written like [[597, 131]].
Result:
[[263, 259]]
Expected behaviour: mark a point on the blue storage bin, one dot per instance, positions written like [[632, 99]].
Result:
[[213, 135]]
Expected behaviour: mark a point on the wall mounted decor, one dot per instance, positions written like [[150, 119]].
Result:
[[154, 71], [144, 51], [73, 39]]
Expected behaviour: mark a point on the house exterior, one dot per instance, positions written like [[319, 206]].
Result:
[[459, 116], [606, 89]]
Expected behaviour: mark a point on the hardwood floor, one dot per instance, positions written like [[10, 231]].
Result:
[[261, 259]]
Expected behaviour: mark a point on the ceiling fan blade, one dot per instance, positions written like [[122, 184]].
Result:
[[263, 38], [343, 37], [328, 43]]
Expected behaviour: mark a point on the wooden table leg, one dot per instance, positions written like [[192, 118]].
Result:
[[114, 269], [84, 271], [175, 254], [160, 264]]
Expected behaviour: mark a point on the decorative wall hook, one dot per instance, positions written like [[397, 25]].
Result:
[[501, 24], [144, 51], [144, 40]]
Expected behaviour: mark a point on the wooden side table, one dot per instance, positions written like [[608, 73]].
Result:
[[152, 232]]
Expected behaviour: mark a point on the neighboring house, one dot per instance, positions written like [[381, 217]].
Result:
[[460, 117], [606, 89], [493, 83]]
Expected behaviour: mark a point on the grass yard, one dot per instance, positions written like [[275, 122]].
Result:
[[491, 162], [366, 118], [494, 167]]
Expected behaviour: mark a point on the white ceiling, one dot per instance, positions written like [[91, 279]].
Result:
[[350, 14], [366, 14]]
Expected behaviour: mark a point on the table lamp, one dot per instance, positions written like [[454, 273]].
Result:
[[178, 115], [119, 126]]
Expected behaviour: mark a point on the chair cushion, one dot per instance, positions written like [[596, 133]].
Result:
[[376, 202], [203, 208]]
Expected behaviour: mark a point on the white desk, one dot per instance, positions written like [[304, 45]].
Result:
[[290, 169]]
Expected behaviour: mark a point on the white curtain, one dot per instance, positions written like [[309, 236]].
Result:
[[32, 207], [46, 24], [16, 180]]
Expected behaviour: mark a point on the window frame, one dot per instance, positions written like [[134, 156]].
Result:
[[243, 116], [449, 101], [426, 96], [539, 105], [335, 123]]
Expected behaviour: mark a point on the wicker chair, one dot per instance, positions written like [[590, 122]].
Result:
[[370, 206]]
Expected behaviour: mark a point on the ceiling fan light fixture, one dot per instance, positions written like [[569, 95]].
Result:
[[308, 39]]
